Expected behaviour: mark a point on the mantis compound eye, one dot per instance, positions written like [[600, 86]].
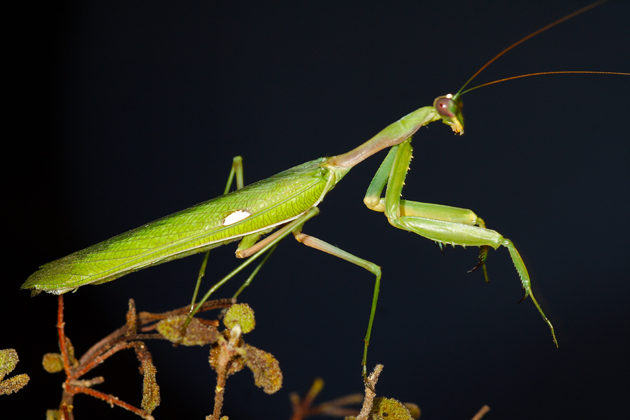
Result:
[[445, 106], [450, 109]]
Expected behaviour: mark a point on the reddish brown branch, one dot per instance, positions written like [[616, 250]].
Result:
[[122, 338], [225, 357], [303, 408], [83, 369], [112, 400], [62, 337], [482, 412]]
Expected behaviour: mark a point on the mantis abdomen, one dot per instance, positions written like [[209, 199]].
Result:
[[256, 208]]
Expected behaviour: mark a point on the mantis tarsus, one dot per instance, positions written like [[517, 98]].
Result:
[[317, 178]]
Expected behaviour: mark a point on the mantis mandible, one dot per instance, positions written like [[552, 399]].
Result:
[[286, 201]]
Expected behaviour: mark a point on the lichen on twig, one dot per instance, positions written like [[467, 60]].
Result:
[[8, 360], [228, 354]]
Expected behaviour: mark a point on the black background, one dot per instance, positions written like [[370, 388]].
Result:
[[128, 111]]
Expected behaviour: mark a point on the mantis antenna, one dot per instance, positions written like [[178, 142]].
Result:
[[533, 34]]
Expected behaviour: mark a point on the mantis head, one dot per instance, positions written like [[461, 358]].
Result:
[[449, 108]]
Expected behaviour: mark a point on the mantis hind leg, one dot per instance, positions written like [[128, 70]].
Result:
[[315, 243], [442, 224]]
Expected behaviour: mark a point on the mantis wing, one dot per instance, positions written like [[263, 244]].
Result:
[[262, 206]]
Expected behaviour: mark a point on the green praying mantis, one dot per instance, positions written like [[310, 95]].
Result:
[[279, 206]]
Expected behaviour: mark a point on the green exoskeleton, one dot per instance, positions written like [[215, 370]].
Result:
[[287, 199], [280, 205]]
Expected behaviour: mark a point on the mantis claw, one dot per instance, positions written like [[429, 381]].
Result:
[[483, 255], [366, 382], [524, 297], [366, 379]]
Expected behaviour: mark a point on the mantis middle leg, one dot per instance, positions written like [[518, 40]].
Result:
[[442, 224], [236, 171]]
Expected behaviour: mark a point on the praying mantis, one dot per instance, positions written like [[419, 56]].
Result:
[[241, 219]]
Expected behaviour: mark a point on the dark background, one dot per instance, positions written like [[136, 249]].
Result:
[[128, 111]]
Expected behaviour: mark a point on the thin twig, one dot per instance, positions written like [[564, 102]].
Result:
[[148, 317], [62, 336], [225, 356], [122, 338], [100, 359], [370, 393], [482, 412], [113, 400], [105, 342], [302, 408]]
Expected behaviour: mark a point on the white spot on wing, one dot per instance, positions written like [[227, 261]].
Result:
[[237, 216]]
